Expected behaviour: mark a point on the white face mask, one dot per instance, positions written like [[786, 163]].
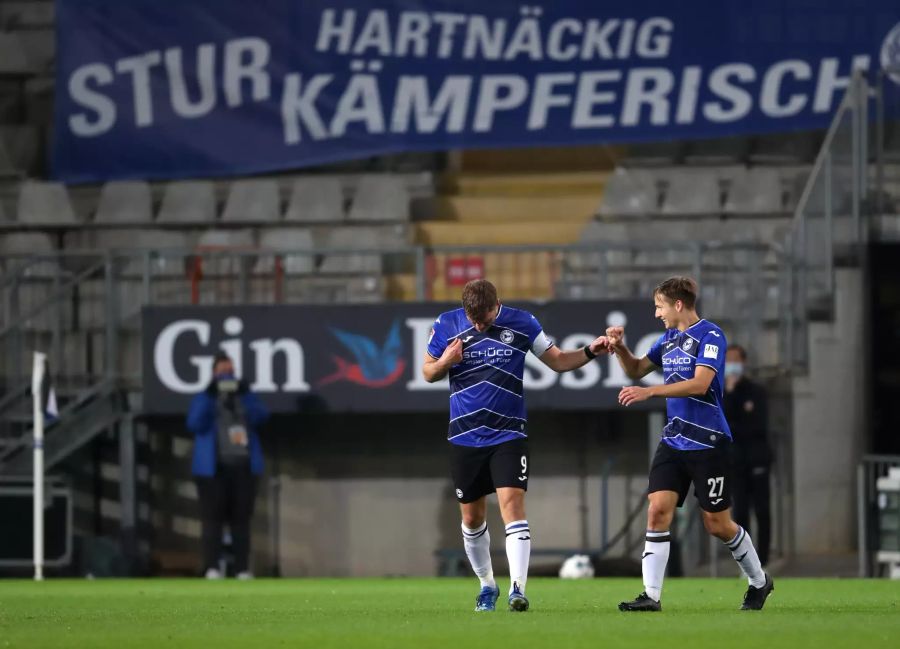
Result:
[[734, 369]]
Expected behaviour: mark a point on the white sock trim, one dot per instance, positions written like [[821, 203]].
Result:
[[518, 553]]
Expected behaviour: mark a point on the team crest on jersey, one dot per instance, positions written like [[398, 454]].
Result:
[[506, 336], [688, 344]]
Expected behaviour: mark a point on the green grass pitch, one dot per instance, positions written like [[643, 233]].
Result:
[[432, 613]]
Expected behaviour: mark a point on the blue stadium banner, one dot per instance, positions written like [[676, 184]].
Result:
[[216, 87], [367, 358]]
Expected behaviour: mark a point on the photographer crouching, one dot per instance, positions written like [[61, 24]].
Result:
[[226, 464]]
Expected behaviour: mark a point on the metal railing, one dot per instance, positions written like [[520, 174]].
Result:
[[869, 469], [84, 307], [886, 142], [828, 227]]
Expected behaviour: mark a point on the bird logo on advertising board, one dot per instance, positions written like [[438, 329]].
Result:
[[373, 366]]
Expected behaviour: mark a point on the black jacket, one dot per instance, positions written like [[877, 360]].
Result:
[[747, 412]]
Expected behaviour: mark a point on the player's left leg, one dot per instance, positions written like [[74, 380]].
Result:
[[509, 473], [738, 540], [712, 486], [518, 543]]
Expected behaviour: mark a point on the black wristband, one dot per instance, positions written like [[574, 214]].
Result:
[[587, 352]]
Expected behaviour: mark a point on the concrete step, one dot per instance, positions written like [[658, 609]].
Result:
[[512, 209], [589, 183], [448, 233], [529, 159]]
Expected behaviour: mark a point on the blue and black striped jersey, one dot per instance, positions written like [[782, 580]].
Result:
[[487, 400], [695, 423]]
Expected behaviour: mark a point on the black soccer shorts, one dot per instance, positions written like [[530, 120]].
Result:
[[478, 471], [707, 470]]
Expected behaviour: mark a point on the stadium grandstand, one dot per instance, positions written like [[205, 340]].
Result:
[[307, 191]]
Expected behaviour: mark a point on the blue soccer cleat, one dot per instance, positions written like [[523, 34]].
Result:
[[487, 599], [517, 600]]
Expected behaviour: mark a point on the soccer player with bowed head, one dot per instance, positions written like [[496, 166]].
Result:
[[694, 447], [482, 348]]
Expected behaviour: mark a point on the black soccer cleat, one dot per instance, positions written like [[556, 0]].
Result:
[[642, 602], [755, 598]]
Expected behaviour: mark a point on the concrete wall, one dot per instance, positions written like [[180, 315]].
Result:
[[829, 424], [394, 526], [382, 503]]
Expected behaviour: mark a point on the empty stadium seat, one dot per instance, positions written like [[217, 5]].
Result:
[[39, 46], [315, 198], [187, 202], [224, 257], [10, 99], [33, 14], [253, 200], [892, 141], [170, 248], [840, 190], [691, 192], [717, 151], [785, 148], [286, 240], [350, 238], [13, 59], [44, 202], [7, 168], [380, 198], [755, 191], [596, 232], [629, 192], [21, 142], [652, 154], [22, 244], [222, 239], [125, 202], [38, 99]]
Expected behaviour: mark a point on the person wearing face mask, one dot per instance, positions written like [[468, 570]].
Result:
[[746, 408], [226, 464]]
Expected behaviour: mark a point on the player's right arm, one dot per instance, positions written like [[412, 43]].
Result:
[[435, 369], [634, 368], [441, 353]]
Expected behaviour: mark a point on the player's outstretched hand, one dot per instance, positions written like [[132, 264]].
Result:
[[616, 338], [633, 394], [600, 346], [453, 353]]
